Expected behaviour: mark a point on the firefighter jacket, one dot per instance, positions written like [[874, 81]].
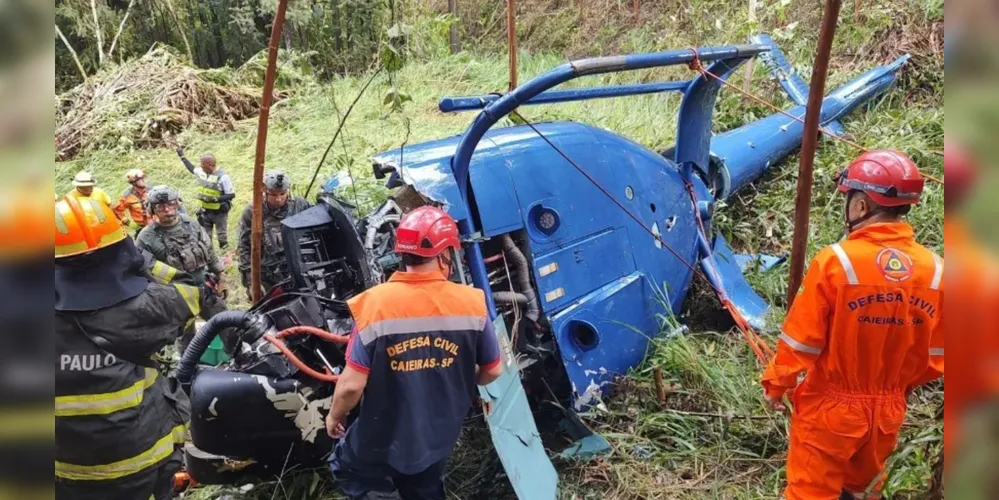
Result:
[[867, 319], [116, 416], [419, 338], [273, 268], [185, 246], [132, 204]]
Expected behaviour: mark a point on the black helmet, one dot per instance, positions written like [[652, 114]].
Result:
[[160, 194], [277, 180]]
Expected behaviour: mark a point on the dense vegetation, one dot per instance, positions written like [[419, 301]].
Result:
[[711, 437]]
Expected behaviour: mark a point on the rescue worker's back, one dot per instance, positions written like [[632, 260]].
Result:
[[881, 293], [867, 327], [422, 336], [420, 346]]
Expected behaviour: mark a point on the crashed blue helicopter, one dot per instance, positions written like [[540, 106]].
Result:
[[578, 236]]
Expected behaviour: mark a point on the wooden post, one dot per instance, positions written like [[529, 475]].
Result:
[[634, 10], [809, 141], [511, 40], [452, 6], [256, 226]]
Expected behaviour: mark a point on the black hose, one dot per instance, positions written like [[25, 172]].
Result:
[[523, 276], [206, 334], [508, 297]]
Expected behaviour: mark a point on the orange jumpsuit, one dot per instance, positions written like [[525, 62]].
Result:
[[131, 202], [867, 328]]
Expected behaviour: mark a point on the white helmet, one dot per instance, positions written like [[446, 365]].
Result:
[[84, 179], [134, 174]]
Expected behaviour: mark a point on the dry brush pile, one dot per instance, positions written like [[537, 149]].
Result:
[[143, 103]]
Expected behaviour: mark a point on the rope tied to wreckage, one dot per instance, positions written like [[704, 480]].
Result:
[[696, 65]]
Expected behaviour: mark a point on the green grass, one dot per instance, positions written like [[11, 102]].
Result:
[[712, 438]]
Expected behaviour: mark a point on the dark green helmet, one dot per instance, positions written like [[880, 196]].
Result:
[[160, 194], [277, 180]]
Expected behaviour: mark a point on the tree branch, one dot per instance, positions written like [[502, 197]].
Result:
[[128, 10], [72, 52], [97, 33], [180, 28]]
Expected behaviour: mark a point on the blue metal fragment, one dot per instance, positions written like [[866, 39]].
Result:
[[758, 261], [749, 304], [513, 430], [468, 103], [589, 447]]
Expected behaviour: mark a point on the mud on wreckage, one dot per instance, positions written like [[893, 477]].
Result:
[[573, 232]]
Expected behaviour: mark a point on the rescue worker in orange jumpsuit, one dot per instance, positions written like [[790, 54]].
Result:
[[866, 326], [420, 345], [132, 201]]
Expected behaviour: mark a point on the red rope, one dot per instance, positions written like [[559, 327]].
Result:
[[762, 350], [697, 66]]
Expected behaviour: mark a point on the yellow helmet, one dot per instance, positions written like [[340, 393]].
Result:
[[83, 225], [23, 229]]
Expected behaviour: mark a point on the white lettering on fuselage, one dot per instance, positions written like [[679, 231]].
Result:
[[85, 362]]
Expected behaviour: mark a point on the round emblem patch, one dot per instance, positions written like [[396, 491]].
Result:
[[895, 265]]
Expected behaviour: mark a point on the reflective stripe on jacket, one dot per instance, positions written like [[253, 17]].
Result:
[[868, 319], [419, 338], [113, 417], [209, 190]]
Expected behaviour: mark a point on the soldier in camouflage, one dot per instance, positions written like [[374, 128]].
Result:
[[178, 241], [278, 204]]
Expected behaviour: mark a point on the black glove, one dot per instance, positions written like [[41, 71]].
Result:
[[180, 152]]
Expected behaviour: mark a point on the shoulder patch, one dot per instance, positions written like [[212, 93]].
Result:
[[895, 265]]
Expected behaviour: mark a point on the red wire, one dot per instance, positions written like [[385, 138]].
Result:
[[311, 330], [306, 330]]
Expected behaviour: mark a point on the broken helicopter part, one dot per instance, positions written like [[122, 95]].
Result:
[[580, 238]]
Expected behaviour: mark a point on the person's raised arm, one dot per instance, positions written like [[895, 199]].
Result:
[[187, 163]]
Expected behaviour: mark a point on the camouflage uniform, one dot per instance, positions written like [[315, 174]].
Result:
[[186, 247], [273, 268]]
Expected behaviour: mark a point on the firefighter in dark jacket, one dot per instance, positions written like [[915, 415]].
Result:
[[119, 423], [278, 204]]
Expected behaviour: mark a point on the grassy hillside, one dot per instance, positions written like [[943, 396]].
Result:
[[711, 438]]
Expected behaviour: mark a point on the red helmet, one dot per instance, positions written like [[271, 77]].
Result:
[[888, 177], [960, 169], [426, 231]]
